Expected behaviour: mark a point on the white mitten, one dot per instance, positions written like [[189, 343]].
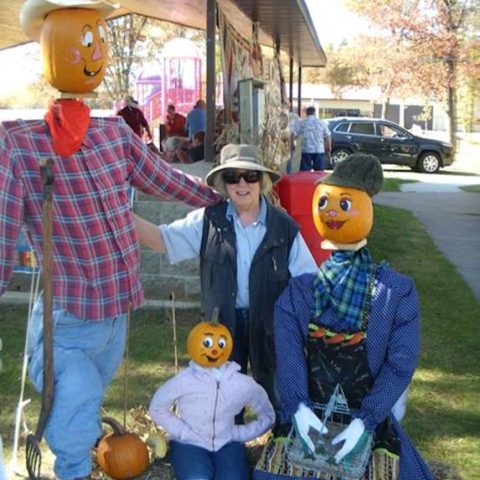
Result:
[[303, 420], [351, 435]]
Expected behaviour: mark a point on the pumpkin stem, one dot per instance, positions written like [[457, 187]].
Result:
[[116, 426], [215, 315]]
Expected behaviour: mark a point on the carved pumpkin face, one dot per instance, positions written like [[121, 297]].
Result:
[[74, 45], [342, 214], [209, 344]]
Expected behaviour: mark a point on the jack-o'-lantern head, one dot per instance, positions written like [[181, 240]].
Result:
[[341, 206], [73, 38], [209, 344]]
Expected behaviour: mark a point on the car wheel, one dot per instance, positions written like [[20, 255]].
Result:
[[339, 155], [429, 163]]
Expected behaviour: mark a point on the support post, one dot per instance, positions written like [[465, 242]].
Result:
[[290, 82], [299, 91], [211, 80]]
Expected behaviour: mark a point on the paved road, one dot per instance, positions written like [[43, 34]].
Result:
[[450, 215]]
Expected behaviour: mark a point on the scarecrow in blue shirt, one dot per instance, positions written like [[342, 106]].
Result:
[[347, 341]]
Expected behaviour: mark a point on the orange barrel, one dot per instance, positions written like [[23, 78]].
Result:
[[295, 191]]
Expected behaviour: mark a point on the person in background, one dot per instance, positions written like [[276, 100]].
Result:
[[316, 141], [176, 149], [197, 151], [248, 250], [196, 119], [174, 123], [135, 118]]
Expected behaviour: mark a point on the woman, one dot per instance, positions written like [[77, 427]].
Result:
[[248, 250]]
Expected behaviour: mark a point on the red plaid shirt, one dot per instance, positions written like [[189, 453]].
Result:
[[95, 246]]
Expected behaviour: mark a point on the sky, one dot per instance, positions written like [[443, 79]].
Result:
[[332, 20]]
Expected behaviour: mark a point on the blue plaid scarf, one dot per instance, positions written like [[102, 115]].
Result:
[[342, 283]]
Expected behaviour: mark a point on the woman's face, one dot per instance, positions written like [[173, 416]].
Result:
[[243, 188]]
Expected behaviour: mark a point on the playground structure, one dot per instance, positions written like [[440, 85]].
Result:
[[175, 79]]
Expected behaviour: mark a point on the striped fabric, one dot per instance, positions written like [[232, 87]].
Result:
[[96, 254]]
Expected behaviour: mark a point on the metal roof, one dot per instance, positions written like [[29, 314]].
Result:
[[285, 21]]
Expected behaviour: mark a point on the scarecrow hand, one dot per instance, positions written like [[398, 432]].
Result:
[[351, 435], [304, 420]]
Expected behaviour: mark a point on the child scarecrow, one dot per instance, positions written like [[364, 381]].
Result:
[[205, 443], [347, 341], [96, 257]]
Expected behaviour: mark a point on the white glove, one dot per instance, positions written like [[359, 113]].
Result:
[[303, 420], [351, 435]]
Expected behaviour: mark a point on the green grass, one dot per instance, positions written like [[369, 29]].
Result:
[[443, 416], [394, 184], [471, 188], [443, 412]]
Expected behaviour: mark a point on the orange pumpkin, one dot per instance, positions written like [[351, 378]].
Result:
[[342, 214], [74, 44], [121, 454], [210, 343]]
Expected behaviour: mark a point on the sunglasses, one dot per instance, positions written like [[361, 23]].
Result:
[[234, 176]]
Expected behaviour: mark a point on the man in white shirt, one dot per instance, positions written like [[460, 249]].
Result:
[[316, 142]]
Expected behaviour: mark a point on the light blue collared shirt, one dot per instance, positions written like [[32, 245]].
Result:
[[183, 240]]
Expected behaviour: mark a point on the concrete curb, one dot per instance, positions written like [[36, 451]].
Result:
[[23, 298]]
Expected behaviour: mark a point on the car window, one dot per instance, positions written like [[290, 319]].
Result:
[[363, 128], [390, 131], [343, 127]]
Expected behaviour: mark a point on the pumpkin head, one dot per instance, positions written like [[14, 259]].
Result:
[[342, 214], [121, 454], [210, 343], [74, 46]]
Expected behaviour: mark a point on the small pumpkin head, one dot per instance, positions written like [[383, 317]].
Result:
[[342, 214], [209, 344], [120, 454], [74, 44]]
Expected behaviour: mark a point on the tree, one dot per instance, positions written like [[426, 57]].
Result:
[[435, 32], [340, 72], [134, 41]]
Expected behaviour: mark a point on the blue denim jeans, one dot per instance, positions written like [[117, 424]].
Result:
[[241, 355], [195, 463], [313, 161], [86, 355]]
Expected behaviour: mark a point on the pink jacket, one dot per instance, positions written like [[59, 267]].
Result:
[[207, 407]]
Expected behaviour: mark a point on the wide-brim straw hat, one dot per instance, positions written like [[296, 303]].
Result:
[[33, 12], [240, 157]]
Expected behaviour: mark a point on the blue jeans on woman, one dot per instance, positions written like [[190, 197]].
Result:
[[190, 462], [86, 355]]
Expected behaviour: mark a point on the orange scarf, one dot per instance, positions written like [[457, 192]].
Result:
[[68, 121]]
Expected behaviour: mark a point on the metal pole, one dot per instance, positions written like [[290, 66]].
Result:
[[299, 90], [290, 81], [210, 100]]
